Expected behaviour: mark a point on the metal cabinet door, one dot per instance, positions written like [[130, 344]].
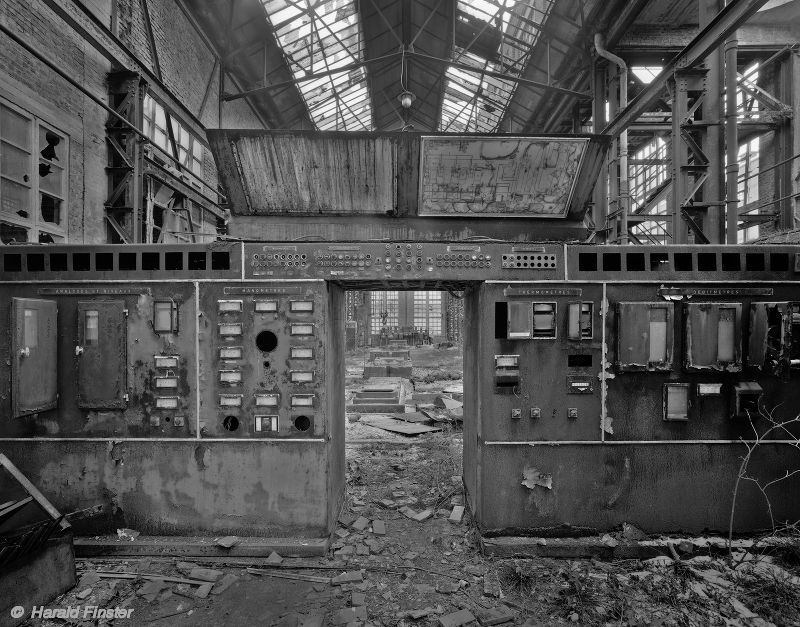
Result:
[[34, 355], [101, 354]]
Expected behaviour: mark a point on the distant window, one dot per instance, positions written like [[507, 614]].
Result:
[[384, 311], [189, 148], [428, 312], [34, 167]]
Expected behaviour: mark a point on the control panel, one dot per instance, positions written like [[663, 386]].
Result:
[[384, 260]]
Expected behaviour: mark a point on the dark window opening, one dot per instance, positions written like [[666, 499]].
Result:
[[12, 263], [612, 262], [81, 262], [659, 261], [754, 262], [35, 262], [779, 262], [635, 262], [731, 262], [683, 262], [579, 361], [707, 262], [58, 262], [501, 321], [197, 261], [587, 262], [173, 261], [127, 261], [220, 261], [104, 262], [151, 261]]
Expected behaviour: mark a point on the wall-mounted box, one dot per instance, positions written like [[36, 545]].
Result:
[[268, 423], [544, 320], [230, 352], [644, 336], [230, 377], [579, 321], [230, 400], [165, 316], [101, 354], [520, 321], [266, 306], [676, 401], [770, 338], [227, 329], [746, 399], [580, 384], [301, 352], [709, 389], [301, 376], [506, 372], [302, 400], [268, 400], [34, 355], [167, 402], [229, 306], [301, 306], [166, 361], [713, 336]]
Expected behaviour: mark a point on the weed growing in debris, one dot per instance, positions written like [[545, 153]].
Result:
[[580, 594], [773, 596], [518, 576]]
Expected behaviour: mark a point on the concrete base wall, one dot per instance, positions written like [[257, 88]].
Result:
[[272, 489], [37, 579]]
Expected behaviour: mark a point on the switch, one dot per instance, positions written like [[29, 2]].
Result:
[[572, 413], [536, 413], [516, 413], [178, 421], [155, 421]]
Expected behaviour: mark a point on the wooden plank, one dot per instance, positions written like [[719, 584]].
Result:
[[197, 547], [9, 508], [397, 426]]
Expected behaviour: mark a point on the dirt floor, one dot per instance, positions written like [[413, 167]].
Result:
[[398, 559]]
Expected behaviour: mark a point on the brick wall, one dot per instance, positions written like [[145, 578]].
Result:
[[188, 71]]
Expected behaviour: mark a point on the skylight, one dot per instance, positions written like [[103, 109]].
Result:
[[320, 37], [493, 37]]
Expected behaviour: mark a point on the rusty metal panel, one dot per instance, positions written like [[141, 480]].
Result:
[[713, 336], [34, 355], [101, 354]]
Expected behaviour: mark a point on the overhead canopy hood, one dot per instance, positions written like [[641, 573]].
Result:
[[301, 173]]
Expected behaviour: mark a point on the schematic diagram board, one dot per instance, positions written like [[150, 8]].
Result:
[[499, 176]]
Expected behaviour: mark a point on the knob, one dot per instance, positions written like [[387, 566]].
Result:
[[78, 351]]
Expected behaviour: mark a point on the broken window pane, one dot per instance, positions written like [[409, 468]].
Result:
[[51, 179], [51, 144], [12, 233], [519, 320], [51, 209], [726, 335], [50, 238], [14, 163], [15, 127], [15, 199]]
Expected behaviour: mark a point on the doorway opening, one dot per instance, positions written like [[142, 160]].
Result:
[[404, 395]]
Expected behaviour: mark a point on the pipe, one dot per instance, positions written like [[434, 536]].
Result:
[[731, 143], [624, 188]]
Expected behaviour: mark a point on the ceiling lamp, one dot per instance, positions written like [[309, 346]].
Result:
[[406, 99]]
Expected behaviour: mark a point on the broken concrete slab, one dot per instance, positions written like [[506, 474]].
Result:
[[203, 591], [397, 426], [205, 574], [349, 615], [457, 514], [379, 527], [495, 616], [491, 585], [360, 523], [447, 587], [358, 598], [223, 584], [274, 559], [227, 542], [445, 402], [353, 576], [456, 619], [423, 515]]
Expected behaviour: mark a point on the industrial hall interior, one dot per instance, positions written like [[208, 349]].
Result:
[[395, 313]]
